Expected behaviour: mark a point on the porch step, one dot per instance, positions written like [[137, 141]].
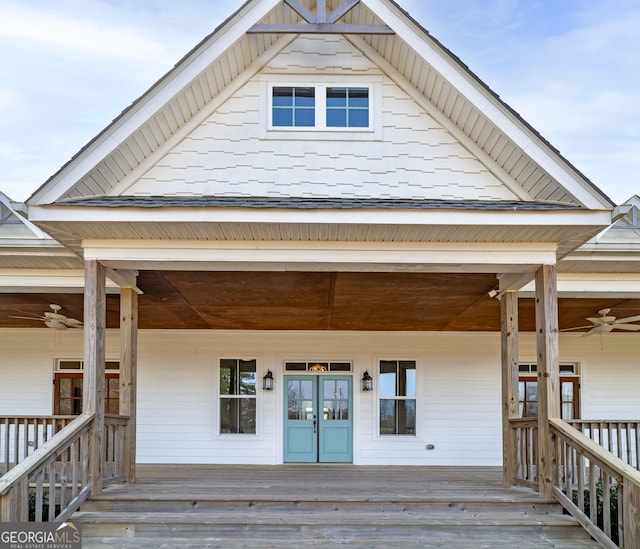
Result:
[[295, 506], [487, 528]]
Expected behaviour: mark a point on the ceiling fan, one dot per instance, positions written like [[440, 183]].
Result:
[[606, 323], [54, 320]]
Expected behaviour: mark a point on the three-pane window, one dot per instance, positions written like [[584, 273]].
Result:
[[397, 397], [238, 396]]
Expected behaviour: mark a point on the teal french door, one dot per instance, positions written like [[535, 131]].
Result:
[[318, 419]]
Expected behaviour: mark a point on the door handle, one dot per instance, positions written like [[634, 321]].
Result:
[[315, 423]]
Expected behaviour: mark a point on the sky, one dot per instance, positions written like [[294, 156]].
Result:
[[571, 68]]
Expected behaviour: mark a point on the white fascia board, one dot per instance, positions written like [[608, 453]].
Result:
[[155, 99], [489, 105], [205, 253], [516, 218], [593, 285], [45, 280]]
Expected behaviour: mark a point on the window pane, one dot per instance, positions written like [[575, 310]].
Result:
[[112, 365], [305, 97], [359, 119], [247, 377], [282, 97], [70, 365], [228, 377], [358, 98], [567, 390], [406, 417], [305, 118], [407, 378], [336, 118], [336, 97], [388, 378], [387, 417], [531, 390], [567, 411], [531, 409], [397, 417], [340, 367], [296, 366], [238, 415], [282, 117]]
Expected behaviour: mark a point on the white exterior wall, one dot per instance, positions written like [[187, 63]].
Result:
[[407, 155], [458, 401]]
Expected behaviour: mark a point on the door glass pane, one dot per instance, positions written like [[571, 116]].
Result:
[[531, 390], [567, 390], [299, 399], [567, 410], [336, 403], [65, 388]]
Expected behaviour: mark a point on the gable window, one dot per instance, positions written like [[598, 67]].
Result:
[[397, 397], [238, 396], [327, 109], [569, 391], [347, 107], [67, 387], [294, 107]]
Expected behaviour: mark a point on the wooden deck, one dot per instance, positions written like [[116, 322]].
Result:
[[324, 506]]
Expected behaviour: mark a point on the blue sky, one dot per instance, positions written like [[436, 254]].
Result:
[[571, 68]]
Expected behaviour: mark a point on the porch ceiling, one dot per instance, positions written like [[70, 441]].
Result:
[[312, 301]]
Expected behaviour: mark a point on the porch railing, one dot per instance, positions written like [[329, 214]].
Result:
[[597, 487], [621, 438], [20, 436], [51, 483]]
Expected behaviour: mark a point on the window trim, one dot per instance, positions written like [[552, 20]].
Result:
[[527, 372], [416, 398], [322, 132], [219, 396]]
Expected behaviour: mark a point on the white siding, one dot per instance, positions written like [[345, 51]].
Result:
[[232, 154], [458, 389]]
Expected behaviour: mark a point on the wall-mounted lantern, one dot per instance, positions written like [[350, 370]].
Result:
[[367, 381], [267, 381]]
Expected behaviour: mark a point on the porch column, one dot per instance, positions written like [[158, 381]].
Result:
[[510, 371], [93, 383], [548, 371], [128, 374]]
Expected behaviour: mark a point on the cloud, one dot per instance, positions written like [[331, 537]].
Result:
[[76, 36]]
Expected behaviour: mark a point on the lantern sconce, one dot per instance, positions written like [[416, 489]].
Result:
[[367, 381], [267, 381]]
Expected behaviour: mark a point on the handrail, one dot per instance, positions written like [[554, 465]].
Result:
[[599, 489], [22, 435], [620, 437], [59, 472]]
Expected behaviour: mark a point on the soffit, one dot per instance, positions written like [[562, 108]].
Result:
[[314, 301], [244, 57]]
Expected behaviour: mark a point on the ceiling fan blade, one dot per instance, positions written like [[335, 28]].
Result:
[[628, 319], [72, 322], [577, 328], [627, 327], [39, 319], [55, 324]]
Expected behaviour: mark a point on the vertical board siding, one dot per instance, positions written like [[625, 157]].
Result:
[[458, 402], [230, 153]]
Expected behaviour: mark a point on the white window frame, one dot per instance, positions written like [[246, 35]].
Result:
[[320, 131], [220, 396], [379, 397]]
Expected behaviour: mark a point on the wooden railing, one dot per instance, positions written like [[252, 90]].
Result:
[[621, 438], [596, 487], [52, 482], [20, 436], [526, 437]]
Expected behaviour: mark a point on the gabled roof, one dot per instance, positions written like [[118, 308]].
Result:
[[411, 57]]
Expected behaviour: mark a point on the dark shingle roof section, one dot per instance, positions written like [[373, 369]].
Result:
[[291, 203]]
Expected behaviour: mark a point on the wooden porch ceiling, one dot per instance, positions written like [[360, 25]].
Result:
[[312, 301]]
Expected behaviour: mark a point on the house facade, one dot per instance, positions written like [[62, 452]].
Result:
[[315, 196]]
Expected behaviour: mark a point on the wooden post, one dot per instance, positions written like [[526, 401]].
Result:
[[128, 374], [548, 372], [631, 518], [510, 371], [94, 354]]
